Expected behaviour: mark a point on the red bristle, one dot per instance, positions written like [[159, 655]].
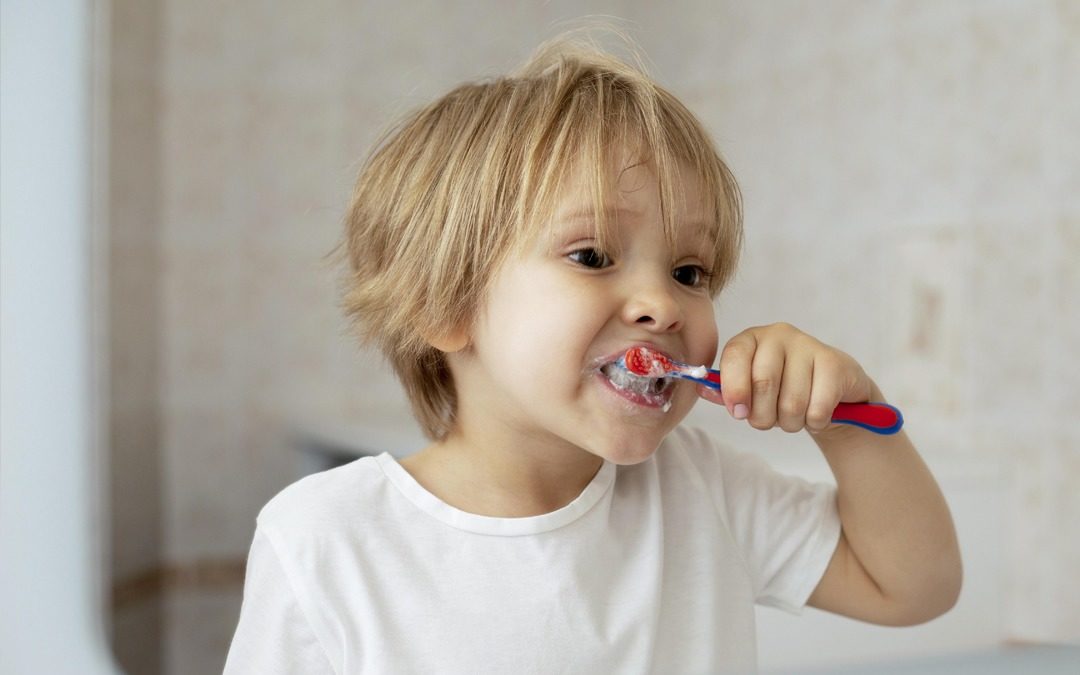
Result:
[[647, 363]]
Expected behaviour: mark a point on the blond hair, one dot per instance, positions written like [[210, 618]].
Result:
[[458, 184]]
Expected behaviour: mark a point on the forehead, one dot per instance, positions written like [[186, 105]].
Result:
[[634, 194]]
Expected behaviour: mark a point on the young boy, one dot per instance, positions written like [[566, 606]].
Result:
[[505, 245]]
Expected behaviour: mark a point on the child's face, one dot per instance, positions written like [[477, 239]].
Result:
[[563, 309]]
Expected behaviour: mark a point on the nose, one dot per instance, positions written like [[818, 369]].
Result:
[[653, 306]]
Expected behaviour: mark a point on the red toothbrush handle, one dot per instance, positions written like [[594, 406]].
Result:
[[881, 418]]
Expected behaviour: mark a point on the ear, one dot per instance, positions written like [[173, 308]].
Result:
[[453, 340]]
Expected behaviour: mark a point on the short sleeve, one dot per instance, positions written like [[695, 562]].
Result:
[[786, 528], [273, 635]]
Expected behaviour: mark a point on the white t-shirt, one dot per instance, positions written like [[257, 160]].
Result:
[[653, 568]]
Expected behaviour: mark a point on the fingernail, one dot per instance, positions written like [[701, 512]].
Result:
[[741, 411]]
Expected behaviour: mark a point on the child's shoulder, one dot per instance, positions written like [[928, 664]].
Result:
[[692, 451], [323, 500], [689, 444]]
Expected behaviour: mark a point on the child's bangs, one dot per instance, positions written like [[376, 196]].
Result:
[[609, 123], [687, 153]]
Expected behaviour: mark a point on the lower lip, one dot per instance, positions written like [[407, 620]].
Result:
[[657, 402]]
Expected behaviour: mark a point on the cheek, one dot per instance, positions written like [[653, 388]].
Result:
[[559, 329], [712, 349], [528, 323], [705, 335]]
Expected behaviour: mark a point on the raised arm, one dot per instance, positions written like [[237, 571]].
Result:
[[897, 562]]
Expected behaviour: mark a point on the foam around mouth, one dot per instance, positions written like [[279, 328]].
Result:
[[622, 378]]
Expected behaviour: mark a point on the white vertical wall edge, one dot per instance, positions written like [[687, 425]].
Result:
[[50, 496]]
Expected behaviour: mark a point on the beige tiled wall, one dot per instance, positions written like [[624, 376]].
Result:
[[911, 191], [912, 170]]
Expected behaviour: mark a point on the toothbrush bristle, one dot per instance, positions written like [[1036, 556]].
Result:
[[647, 363]]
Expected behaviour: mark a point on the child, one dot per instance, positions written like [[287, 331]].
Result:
[[506, 244]]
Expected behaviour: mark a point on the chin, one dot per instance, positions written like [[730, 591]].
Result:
[[628, 454], [633, 439]]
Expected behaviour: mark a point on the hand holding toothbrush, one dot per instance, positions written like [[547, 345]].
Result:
[[777, 375]]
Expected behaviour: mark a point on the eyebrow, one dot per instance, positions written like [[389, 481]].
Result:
[[589, 213], [702, 228]]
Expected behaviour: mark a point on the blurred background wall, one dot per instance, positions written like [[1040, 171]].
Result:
[[912, 196]]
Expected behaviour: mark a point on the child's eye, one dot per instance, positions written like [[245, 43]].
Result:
[[694, 276], [591, 258]]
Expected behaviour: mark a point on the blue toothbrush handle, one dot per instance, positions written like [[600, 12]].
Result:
[[711, 379]]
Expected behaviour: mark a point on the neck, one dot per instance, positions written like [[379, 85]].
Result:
[[502, 473]]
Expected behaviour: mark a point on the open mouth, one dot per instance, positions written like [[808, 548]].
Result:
[[650, 391]]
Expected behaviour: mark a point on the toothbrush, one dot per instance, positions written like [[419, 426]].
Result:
[[880, 418]]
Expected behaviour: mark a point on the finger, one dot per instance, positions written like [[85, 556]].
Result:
[[795, 386], [765, 376], [711, 395], [735, 361], [824, 393]]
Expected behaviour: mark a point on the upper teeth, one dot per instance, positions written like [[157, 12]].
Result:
[[624, 379]]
